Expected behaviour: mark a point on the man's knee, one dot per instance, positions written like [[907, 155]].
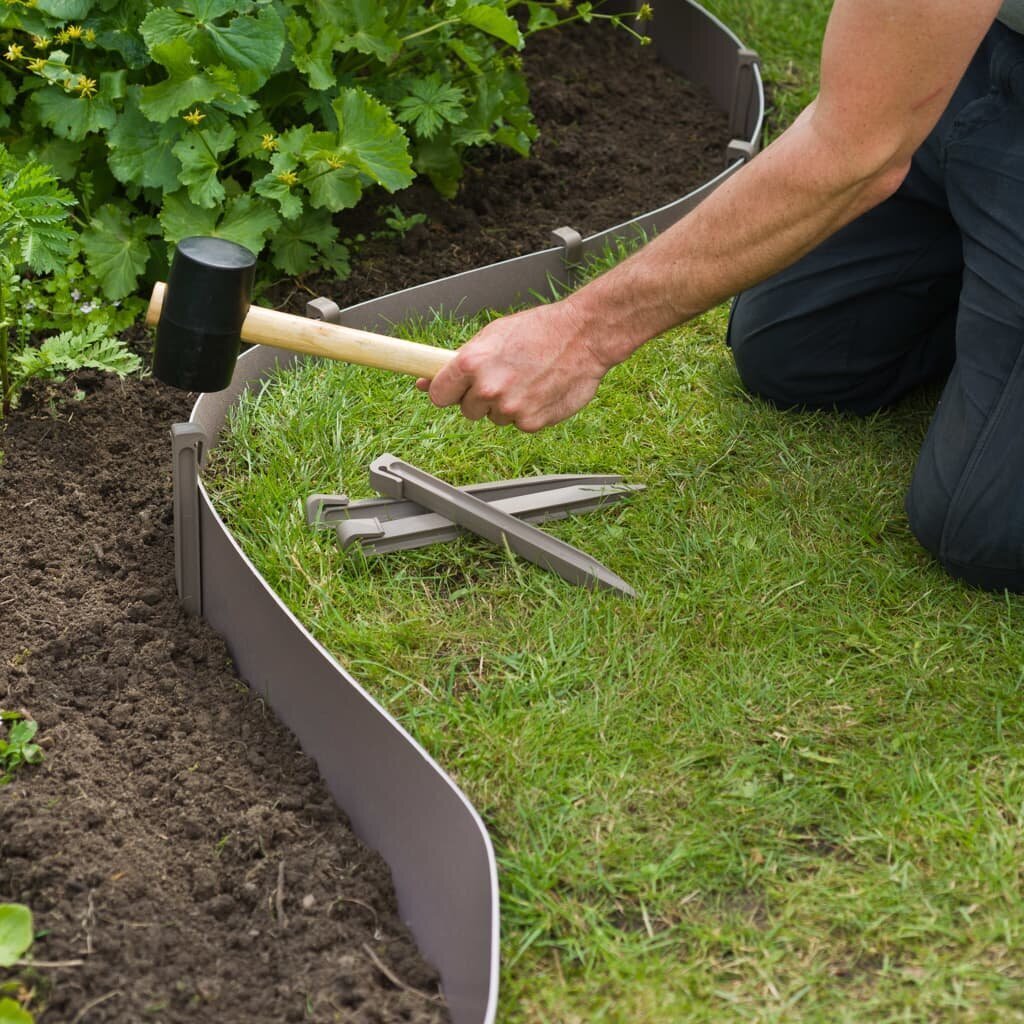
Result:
[[973, 539], [760, 343], [794, 360]]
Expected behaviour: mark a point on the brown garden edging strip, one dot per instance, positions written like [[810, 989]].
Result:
[[398, 799]]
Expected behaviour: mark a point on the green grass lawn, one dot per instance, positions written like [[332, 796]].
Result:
[[784, 784]]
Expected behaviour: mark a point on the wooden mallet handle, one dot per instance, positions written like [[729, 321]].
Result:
[[332, 341]]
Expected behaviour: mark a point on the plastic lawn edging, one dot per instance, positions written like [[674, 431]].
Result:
[[399, 801]]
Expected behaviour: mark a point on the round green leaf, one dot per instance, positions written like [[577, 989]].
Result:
[[15, 932], [12, 1013]]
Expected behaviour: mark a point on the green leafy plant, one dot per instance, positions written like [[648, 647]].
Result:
[[18, 748], [258, 120], [68, 351], [35, 235], [16, 936], [396, 223]]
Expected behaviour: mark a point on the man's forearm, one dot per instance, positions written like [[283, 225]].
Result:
[[771, 212]]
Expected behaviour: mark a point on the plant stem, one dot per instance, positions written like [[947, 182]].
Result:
[[429, 28]]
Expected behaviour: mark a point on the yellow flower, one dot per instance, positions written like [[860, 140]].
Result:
[[37, 65], [89, 35], [74, 31], [194, 117], [268, 142], [86, 86], [288, 178], [13, 52], [645, 13], [40, 42]]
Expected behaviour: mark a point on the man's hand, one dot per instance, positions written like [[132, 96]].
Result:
[[530, 369]]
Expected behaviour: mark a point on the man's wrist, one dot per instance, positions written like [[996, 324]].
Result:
[[606, 321]]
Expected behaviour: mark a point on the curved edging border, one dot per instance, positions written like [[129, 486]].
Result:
[[399, 800]]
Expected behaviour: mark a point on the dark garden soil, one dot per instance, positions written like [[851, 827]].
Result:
[[175, 845]]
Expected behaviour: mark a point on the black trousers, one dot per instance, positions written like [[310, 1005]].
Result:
[[930, 284]]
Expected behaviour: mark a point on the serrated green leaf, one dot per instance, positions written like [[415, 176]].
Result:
[[430, 104], [331, 188], [494, 21], [113, 84], [15, 932], [184, 87], [371, 141], [331, 183], [248, 221], [199, 153], [140, 151], [109, 355], [438, 159], [72, 116], [301, 244], [229, 90], [312, 53], [60, 154], [88, 348], [540, 16], [45, 246], [126, 42], [210, 10], [250, 46], [117, 249], [296, 141], [469, 55], [165, 25], [365, 29], [250, 142], [180, 218], [65, 10], [33, 213]]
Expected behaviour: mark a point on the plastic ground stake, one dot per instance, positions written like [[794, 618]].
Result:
[[400, 802]]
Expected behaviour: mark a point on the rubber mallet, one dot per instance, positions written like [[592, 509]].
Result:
[[203, 314]]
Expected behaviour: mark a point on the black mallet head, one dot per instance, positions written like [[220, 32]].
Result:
[[200, 313]]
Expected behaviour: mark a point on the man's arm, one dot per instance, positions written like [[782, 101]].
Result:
[[888, 71]]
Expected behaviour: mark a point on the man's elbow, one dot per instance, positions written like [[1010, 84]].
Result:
[[868, 168], [886, 180]]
